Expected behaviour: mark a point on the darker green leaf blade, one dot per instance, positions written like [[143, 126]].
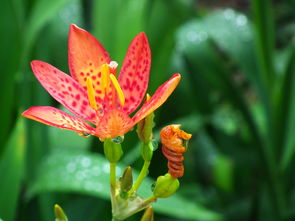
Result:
[[287, 114], [12, 167], [264, 35]]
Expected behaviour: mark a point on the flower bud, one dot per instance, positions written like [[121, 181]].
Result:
[[165, 186], [59, 213], [145, 126], [148, 214], [126, 180], [113, 151]]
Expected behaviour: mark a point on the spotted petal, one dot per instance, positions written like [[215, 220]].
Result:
[[64, 89], [159, 97], [57, 118], [86, 56], [134, 75]]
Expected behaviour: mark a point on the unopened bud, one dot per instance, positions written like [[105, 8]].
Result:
[[165, 186], [127, 180], [145, 126], [148, 214], [59, 213], [113, 151]]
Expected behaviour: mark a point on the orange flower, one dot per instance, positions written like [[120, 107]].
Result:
[[172, 147], [93, 93]]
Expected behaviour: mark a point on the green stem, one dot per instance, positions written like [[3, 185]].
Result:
[[150, 200], [113, 176], [141, 176]]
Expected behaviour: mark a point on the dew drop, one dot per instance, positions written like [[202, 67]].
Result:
[[85, 162], [85, 135], [155, 145], [229, 14], [153, 186], [241, 20], [118, 140], [106, 168]]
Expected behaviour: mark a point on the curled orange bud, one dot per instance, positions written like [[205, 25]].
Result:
[[172, 139]]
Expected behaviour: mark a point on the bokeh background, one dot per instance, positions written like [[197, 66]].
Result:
[[237, 98]]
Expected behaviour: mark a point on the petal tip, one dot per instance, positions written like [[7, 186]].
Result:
[[24, 113], [176, 77], [74, 27]]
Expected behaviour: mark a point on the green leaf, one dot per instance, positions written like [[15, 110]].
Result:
[[10, 43], [287, 114], [12, 167], [88, 174], [42, 12], [73, 142], [264, 36], [223, 172], [127, 20]]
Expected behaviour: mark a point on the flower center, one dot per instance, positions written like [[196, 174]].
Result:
[[107, 77]]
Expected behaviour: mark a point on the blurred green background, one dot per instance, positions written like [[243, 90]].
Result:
[[237, 98]]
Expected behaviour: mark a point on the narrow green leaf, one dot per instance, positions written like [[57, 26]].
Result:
[[10, 43], [12, 167], [264, 35], [287, 114]]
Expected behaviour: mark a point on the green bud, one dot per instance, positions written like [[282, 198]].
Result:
[[59, 213], [145, 126], [165, 186], [127, 180], [147, 151], [113, 151], [148, 214]]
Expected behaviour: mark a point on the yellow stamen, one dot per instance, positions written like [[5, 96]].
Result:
[[90, 93], [105, 82], [147, 98], [118, 89]]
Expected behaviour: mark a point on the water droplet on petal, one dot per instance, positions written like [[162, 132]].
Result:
[[85, 135], [118, 140], [155, 145]]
